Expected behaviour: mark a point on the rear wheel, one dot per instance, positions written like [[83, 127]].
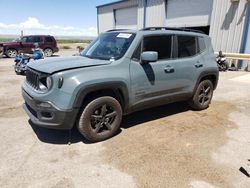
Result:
[[224, 66], [100, 119], [203, 95], [11, 53], [48, 52]]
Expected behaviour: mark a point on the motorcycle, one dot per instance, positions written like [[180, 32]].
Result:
[[221, 62], [22, 59]]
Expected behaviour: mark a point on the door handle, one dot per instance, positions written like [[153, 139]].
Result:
[[198, 65], [169, 69]]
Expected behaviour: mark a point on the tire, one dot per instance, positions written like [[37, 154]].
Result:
[[48, 52], [17, 70], [225, 66], [11, 53], [100, 119], [203, 95], [1, 54]]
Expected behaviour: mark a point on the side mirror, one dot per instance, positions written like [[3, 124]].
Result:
[[149, 56]]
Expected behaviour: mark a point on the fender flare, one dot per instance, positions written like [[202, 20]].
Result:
[[211, 72], [113, 85]]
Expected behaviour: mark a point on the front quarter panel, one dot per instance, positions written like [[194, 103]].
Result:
[[60, 99], [78, 81]]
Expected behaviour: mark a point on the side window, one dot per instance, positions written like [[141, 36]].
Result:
[[36, 39], [48, 39], [24, 39], [29, 40], [186, 46], [161, 44], [201, 44]]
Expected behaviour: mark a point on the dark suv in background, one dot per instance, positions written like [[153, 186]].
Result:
[[26, 43]]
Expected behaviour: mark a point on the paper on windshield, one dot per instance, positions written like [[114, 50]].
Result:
[[124, 35]]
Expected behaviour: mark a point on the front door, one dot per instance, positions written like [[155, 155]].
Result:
[[28, 43], [156, 79]]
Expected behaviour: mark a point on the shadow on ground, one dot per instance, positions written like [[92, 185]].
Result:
[[64, 137], [153, 114], [58, 136]]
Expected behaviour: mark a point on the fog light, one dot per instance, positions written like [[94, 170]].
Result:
[[46, 114], [44, 105]]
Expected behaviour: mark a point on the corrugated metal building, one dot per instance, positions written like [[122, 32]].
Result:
[[226, 21]]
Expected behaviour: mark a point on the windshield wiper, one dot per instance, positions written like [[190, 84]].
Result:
[[96, 57], [88, 56]]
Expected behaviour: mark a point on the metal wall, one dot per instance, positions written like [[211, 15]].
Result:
[[188, 13], [227, 19], [156, 13], [227, 25], [155, 16], [106, 17]]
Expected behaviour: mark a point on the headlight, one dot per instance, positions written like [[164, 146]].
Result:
[[49, 82], [45, 83]]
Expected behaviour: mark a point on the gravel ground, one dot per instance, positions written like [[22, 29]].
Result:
[[169, 146]]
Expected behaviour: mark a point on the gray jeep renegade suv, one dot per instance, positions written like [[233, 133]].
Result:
[[120, 72]]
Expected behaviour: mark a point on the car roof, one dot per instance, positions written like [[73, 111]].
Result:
[[162, 30], [37, 36]]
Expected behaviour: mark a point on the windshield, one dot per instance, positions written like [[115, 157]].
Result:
[[17, 40], [109, 46]]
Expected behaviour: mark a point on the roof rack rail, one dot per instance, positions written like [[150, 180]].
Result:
[[172, 29], [116, 30]]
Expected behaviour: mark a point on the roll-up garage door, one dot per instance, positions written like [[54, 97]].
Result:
[[188, 13], [126, 18]]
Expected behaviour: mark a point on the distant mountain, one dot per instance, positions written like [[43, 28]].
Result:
[[57, 37]]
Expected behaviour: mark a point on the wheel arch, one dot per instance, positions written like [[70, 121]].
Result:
[[5, 50], [212, 75], [48, 47], [115, 89]]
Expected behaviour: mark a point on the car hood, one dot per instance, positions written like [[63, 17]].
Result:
[[55, 64]]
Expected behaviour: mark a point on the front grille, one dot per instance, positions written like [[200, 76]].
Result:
[[32, 78]]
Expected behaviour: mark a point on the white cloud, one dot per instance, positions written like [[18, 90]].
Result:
[[33, 26]]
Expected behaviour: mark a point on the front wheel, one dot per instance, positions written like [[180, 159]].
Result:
[[203, 95], [17, 68], [11, 53], [100, 119]]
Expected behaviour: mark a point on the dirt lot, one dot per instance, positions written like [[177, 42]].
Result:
[[169, 146]]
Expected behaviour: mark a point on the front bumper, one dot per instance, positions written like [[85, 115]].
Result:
[[45, 114]]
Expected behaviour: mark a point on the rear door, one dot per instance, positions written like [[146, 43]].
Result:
[[187, 61]]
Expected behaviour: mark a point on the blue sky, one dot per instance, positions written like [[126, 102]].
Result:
[[57, 17]]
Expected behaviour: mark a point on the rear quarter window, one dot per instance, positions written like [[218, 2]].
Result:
[[49, 39], [201, 44]]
